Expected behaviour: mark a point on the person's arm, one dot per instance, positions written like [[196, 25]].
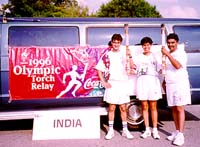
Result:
[[102, 79], [132, 64], [64, 77], [173, 61]]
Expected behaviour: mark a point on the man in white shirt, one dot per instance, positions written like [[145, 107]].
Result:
[[177, 86], [116, 93]]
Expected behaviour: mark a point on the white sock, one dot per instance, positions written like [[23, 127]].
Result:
[[177, 131], [147, 129], [155, 129], [124, 125], [180, 133], [110, 125]]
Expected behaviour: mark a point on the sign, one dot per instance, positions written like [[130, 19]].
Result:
[[67, 124], [54, 72], [60, 72]]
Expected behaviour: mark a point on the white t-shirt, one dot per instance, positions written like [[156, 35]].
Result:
[[117, 65], [147, 65], [174, 75]]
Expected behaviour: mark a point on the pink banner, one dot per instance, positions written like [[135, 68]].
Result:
[[54, 72]]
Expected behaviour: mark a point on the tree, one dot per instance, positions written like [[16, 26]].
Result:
[[47, 8], [4, 9], [127, 8]]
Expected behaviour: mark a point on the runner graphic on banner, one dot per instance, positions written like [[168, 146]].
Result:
[[74, 80]]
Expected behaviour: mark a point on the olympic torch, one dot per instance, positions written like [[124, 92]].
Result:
[[163, 35], [129, 70]]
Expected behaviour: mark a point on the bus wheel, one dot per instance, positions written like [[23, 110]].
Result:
[[134, 113]]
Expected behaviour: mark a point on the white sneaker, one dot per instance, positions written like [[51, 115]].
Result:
[[109, 135], [146, 134], [179, 139], [155, 135], [127, 134], [172, 136]]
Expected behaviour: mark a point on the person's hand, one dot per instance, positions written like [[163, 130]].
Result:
[[164, 51], [160, 71], [107, 85]]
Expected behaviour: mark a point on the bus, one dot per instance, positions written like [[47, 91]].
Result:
[[36, 53]]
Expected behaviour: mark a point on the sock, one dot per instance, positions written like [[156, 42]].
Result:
[[110, 125], [147, 129], [181, 133], [124, 125], [177, 131], [155, 129]]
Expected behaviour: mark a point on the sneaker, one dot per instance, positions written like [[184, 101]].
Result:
[[172, 136], [127, 134], [155, 135], [146, 134], [179, 139], [109, 135]]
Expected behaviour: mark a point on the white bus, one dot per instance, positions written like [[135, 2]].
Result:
[[35, 54]]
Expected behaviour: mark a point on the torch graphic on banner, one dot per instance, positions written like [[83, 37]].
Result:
[[129, 62], [163, 35]]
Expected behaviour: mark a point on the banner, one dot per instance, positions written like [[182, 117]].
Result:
[[54, 72]]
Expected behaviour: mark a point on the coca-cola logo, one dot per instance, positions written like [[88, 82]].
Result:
[[92, 83]]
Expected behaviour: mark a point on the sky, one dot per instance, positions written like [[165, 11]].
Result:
[[167, 8]]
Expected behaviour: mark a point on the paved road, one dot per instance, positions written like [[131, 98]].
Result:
[[19, 134]]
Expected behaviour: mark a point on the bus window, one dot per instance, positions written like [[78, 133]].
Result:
[[43, 36], [102, 35], [190, 36]]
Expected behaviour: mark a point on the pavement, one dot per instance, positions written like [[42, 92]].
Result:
[[19, 133]]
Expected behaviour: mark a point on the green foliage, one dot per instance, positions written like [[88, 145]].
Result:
[[46, 8], [127, 8], [70, 8]]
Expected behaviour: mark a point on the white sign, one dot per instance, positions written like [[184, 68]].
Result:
[[66, 124]]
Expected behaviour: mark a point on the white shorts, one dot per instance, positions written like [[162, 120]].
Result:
[[148, 88], [178, 94], [118, 93]]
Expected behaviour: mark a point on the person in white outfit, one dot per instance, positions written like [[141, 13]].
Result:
[[177, 85], [113, 62], [148, 89]]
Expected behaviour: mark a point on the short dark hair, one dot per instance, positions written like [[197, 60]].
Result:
[[109, 43], [116, 37], [146, 40], [173, 36]]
